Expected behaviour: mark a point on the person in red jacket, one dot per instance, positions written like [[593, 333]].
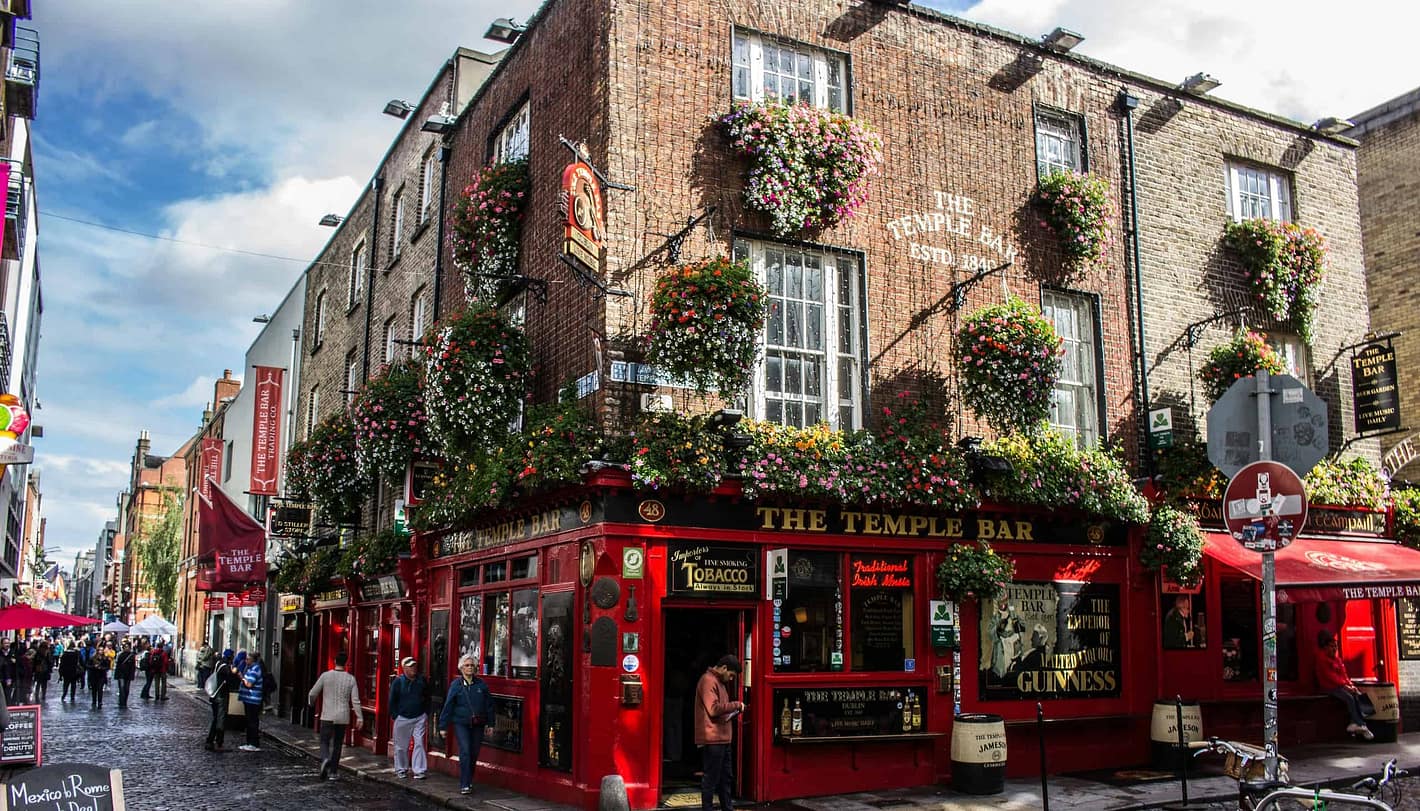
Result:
[[714, 709], [1331, 676]]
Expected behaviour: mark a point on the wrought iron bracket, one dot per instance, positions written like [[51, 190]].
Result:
[[1194, 332], [960, 289]]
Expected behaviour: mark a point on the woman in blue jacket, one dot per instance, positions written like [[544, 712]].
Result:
[[469, 710]]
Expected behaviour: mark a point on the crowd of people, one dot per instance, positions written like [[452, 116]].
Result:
[[89, 662]]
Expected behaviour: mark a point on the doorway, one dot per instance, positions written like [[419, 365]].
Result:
[[695, 638]]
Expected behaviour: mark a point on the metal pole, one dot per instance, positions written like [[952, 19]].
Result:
[[1182, 746], [1269, 588], [1040, 735]]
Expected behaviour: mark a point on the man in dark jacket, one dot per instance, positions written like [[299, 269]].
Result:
[[124, 668], [227, 681], [158, 666], [409, 704], [71, 669]]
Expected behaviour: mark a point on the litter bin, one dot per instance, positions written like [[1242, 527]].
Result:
[[1385, 724], [1163, 732], [979, 754]]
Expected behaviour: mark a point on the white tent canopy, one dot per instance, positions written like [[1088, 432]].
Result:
[[153, 625], [114, 627]]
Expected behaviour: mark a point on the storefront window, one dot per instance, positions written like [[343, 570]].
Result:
[[1286, 642], [880, 591], [495, 652], [370, 661], [1239, 641], [810, 622], [495, 572], [525, 634], [469, 576], [523, 568], [1185, 624], [471, 627]]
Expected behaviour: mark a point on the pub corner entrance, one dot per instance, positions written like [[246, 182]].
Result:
[[695, 638]]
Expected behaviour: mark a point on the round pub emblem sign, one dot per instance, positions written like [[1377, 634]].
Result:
[[584, 512], [651, 510]]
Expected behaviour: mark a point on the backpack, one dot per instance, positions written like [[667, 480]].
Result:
[[143, 661]]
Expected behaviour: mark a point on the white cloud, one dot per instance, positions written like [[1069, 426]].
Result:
[[198, 393]]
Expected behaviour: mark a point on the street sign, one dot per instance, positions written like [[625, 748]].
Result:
[[1161, 428], [1265, 506], [1299, 438], [1375, 389]]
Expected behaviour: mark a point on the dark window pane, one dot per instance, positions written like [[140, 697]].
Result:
[[813, 612]]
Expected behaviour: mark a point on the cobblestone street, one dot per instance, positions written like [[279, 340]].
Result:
[[158, 745]]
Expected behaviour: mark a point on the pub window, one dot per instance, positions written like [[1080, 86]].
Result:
[[1287, 642], [1185, 621], [1293, 352], [357, 277], [313, 411], [770, 70], [426, 185], [524, 632], [397, 232], [495, 635], [813, 613], [469, 576], [523, 568], [418, 316], [495, 572], [1059, 142], [352, 376], [390, 332], [319, 331], [880, 599], [1258, 192], [1075, 402], [511, 142], [471, 627], [1238, 641]]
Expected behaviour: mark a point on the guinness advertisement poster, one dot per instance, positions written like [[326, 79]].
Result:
[[1374, 389], [1051, 640], [708, 570]]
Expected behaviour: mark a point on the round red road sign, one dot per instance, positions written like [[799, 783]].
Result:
[[1265, 506]]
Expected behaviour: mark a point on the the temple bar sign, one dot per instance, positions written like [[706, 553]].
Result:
[[1374, 389]]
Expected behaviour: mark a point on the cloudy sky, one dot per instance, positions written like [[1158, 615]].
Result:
[[239, 125]]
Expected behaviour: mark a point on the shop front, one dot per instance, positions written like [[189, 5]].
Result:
[[329, 633], [380, 638]]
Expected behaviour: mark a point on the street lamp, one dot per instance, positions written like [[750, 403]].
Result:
[[1061, 40], [1199, 84], [504, 29], [399, 108], [331, 220]]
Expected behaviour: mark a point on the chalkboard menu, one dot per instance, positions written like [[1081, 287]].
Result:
[[1051, 640], [554, 722], [22, 741], [67, 786], [839, 711], [878, 642], [1407, 613]]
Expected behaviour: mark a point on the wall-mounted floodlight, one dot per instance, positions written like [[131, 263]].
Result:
[[1061, 40], [331, 220], [1332, 125], [504, 29], [1199, 83], [399, 108], [262, 319], [439, 124]]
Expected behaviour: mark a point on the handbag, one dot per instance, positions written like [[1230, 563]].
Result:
[[212, 685]]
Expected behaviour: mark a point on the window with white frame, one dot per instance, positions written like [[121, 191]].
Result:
[[767, 69], [418, 316], [1258, 192], [357, 276], [319, 331], [227, 460], [397, 237], [312, 411], [352, 376], [511, 142], [1293, 352], [426, 185], [1059, 142], [1075, 403], [389, 339], [814, 353]]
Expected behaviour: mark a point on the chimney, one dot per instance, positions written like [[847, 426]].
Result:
[[225, 389], [141, 457]]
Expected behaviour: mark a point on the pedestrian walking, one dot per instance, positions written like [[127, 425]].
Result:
[[125, 667], [206, 661], [44, 667], [339, 697], [71, 670], [227, 680], [97, 670], [9, 664], [468, 708], [251, 697], [158, 666], [714, 709], [24, 676], [409, 704]]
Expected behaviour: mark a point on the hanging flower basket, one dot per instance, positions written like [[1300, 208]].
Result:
[[1185, 471], [1285, 264], [1407, 516], [391, 426], [373, 555], [337, 484], [675, 451], [1050, 470], [1076, 207], [1009, 357], [1174, 542], [458, 492], [809, 167], [486, 226], [1354, 483], [558, 442], [974, 570], [298, 471], [475, 378], [1243, 356], [705, 323]]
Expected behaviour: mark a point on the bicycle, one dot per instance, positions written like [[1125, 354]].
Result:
[[1280, 795]]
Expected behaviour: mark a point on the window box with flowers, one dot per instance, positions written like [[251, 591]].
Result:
[[1407, 516], [337, 485], [1174, 543], [391, 426], [705, 324], [475, 377], [1243, 356], [460, 490], [1076, 206], [373, 555], [973, 571], [1352, 483], [486, 226], [1285, 264], [1050, 470], [1009, 357], [809, 167]]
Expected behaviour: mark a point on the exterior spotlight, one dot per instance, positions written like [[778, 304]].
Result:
[[1199, 83], [262, 319], [726, 418], [1333, 125], [504, 29], [439, 124], [399, 108], [331, 220], [1061, 40]]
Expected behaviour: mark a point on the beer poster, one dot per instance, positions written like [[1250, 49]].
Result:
[[1051, 640]]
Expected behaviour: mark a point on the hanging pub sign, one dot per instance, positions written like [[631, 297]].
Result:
[[291, 520], [1374, 389], [1407, 613], [586, 222], [214, 603], [707, 570], [1051, 640]]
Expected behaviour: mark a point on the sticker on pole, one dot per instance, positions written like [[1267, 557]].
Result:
[[1265, 506]]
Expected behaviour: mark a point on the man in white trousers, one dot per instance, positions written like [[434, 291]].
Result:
[[409, 705]]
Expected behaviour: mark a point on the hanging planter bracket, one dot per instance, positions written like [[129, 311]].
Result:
[[959, 290]]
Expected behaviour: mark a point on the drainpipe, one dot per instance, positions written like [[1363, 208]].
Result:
[[1129, 102], [445, 149], [371, 271]]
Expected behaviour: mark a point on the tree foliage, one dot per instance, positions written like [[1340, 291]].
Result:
[[157, 550]]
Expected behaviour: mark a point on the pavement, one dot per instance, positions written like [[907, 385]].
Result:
[[1339, 763]]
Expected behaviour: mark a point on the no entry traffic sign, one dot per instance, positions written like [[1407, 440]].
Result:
[[1265, 506]]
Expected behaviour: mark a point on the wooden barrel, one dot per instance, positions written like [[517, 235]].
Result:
[[1163, 732], [1385, 724], [979, 754]]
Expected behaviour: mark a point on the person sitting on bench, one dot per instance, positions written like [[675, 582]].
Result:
[[1331, 676]]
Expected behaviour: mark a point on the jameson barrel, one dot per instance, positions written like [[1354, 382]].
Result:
[[1163, 732], [979, 754], [1385, 724]]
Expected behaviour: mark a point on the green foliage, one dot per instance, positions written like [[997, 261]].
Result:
[[486, 226], [460, 490], [705, 323], [1285, 264], [476, 370], [1353, 483], [1050, 470], [1186, 471], [158, 554], [336, 482], [558, 442], [1243, 356], [1009, 357], [390, 423], [676, 451], [372, 555], [1174, 541], [973, 570], [1407, 516], [1076, 207]]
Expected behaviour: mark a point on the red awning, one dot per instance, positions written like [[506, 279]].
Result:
[[1315, 569]]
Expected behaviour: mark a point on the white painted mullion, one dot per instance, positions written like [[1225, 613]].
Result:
[[820, 82], [756, 69]]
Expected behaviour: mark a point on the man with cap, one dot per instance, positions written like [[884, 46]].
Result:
[[714, 710], [409, 704]]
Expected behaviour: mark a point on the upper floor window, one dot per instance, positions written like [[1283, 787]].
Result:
[[1293, 352], [767, 70], [814, 352], [427, 179], [352, 376], [313, 411], [419, 315], [1059, 142], [357, 275], [1075, 403], [389, 339], [397, 236], [511, 142], [319, 331], [1256, 191]]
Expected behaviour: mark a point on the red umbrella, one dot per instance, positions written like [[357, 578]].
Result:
[[21, 615]]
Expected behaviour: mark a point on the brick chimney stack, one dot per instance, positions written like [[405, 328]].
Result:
[[225, 389]]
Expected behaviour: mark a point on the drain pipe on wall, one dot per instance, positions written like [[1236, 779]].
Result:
[[1128, 103]]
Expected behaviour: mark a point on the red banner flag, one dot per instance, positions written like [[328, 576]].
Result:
[[235, 539], [213, 603], [266, 431], [210, 466]]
